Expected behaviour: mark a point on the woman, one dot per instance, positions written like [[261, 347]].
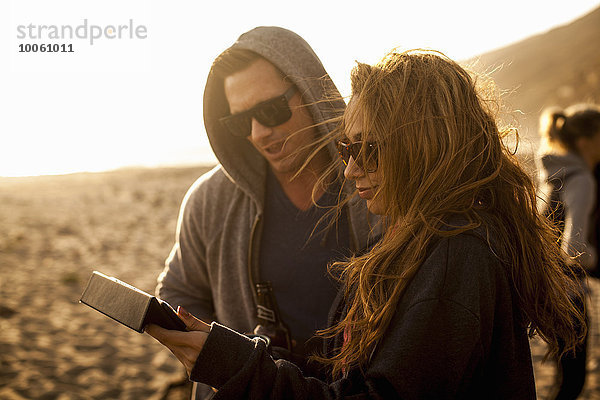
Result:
[[571, 151], [440, 307]]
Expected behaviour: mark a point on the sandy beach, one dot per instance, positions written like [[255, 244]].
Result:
[[54, 231]]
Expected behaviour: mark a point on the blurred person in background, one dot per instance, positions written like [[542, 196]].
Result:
[[252, 218], [441, 307], [595, 239], [570, 152]]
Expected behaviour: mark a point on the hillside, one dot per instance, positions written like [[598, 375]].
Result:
[[556, 68]]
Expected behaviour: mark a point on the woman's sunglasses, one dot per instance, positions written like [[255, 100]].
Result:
[[368, 163], [270, 113]]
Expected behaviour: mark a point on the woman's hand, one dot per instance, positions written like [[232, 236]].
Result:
[[186, 346]]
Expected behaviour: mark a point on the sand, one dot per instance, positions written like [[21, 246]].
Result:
[[54, 231]]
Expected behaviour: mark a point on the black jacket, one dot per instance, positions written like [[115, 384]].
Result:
[[457, 334]]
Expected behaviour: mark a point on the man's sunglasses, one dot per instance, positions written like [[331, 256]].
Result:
[[368, 163], [270, 113]]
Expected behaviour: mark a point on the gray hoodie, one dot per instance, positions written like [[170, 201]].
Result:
[[214, 262], [574, 186]]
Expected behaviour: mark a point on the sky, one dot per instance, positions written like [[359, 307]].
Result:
[[130, 92]]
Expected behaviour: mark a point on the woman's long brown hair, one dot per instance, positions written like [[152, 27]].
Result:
[[441, 155]]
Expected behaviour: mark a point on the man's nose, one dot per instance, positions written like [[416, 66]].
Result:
[[352, 170], [259, 130]]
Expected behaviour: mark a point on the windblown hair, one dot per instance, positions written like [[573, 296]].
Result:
[[560, 129], [441, 155]]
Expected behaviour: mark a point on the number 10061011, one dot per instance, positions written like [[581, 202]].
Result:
[[45, 48]]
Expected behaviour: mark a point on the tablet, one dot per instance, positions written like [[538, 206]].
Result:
[[128, 305]]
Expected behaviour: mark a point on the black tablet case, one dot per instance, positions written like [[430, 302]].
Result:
[[128, 305]]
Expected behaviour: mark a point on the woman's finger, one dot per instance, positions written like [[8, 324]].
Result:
[[171, 339], [156, 332], [191, 322], [167, 337]]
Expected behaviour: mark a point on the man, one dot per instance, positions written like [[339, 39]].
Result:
[[252, 219]]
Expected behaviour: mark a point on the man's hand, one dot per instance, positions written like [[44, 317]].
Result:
[[186, 346]]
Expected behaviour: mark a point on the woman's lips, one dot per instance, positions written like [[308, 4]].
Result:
[[366, 192]]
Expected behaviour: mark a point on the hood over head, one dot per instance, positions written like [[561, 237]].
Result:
[[559, 166], [298, 62]]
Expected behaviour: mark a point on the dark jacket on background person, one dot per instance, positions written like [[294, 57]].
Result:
[[214, 263], [595, 237], [570, 198], [457, 334]]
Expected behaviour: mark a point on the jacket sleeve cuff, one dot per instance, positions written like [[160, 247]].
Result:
[[223, 355]]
